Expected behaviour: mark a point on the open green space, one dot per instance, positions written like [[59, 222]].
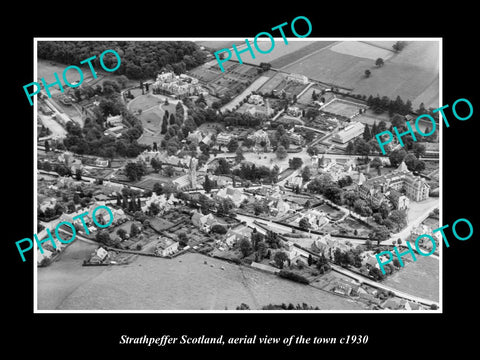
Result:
[[411, 74]]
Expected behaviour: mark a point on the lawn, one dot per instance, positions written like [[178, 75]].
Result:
[[411, 74], [343, 108], [148, 181], [152, 120], [143, 102]]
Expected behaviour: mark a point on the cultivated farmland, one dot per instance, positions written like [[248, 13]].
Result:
[[411, 74], [282, 54]]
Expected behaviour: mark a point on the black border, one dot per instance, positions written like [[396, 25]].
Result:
[[98, 334]]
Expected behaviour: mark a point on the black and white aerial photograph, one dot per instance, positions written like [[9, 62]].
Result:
[[237, 183]]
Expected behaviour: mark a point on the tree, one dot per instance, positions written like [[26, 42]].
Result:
[[157, 188], [164, 124], [281, 153], [398, 121], [255, 239], [223, 167], [379, 233], [418, 149], [78, 174], [284, 141], [304, 223], [245, 247], [397, 156], [367, 73], [156, 164], [134, 230], [280, 257], [295, 163], [239, 155], [362, 147], [103, 237], [207, 185], [376, 273], [154, 209], [232, 146], [47, 146], [183, 239], [410, 160], [399, 218], [306, 174], [379, 62], [350, 148], [366, 133], [311, 150], [419, 165], [135, 170], [122, 233]]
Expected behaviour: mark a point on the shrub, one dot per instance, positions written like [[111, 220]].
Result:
[[293, 276], [219, 229], [138, 247]]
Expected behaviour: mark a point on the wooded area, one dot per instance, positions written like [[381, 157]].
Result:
[[140, 59]]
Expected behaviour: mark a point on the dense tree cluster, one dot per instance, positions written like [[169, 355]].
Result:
[[323, 184], [139, 59], [384, 103]]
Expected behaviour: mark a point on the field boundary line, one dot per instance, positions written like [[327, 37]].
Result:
[[307, 56]]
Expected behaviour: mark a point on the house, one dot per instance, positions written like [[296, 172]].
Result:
[[327, 245], [342, 288], [204, 222], [238, 233], [159, 200], [398, 201], [302, 79], [292, 251], [255, 99], [316, 218], [259, 137], [166, 247], [48, 203], [279, 207], [101, 162], [114, 120], [195, 136], [231, 193], [100, 197], [224, 138], [294, 111]]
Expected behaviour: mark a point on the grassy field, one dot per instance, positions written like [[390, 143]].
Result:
[[411, 74], [143, 102], [420, 278], [279, 52], [186, 282], [152, 119]]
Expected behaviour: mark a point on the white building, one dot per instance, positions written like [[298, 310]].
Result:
[[350, 132], [166, 247], [255, 99], [302, 79]]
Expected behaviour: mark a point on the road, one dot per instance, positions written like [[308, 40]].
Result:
[[414, 218]]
